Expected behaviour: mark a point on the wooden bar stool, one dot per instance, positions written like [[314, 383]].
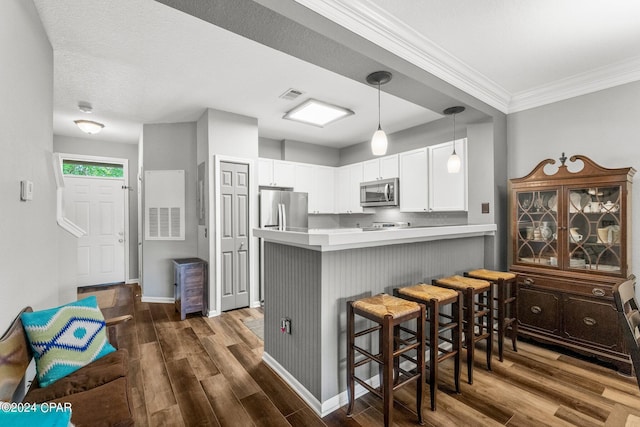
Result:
[[506, 308], [477, 314], [388, 312], [435, 297]]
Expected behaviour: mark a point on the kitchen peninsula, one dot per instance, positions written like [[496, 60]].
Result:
[[310, 275]]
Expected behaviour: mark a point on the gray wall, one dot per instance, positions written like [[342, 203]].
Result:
[[298, 151], [29, 237], [236, 137], [603, 126], [170, 147], [95, 147]]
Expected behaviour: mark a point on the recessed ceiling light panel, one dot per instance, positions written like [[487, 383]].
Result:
[[317, 113]]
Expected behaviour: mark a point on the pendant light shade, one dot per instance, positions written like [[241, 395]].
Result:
[[379, 143], [379, 139], [454, 163]]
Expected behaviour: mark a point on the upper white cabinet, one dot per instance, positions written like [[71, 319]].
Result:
[[413, 181], [381, 168], [324, 190], [347, 188], [447, 191], [276, 173], [318, 181]]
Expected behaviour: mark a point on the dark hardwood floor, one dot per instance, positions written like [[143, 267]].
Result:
[[209, 372]]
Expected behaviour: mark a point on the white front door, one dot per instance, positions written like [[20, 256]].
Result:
[[97, 206]]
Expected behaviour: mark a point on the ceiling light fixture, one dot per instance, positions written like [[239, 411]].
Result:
[[89, 126], [454, 163], [379, 139], [317, 113]]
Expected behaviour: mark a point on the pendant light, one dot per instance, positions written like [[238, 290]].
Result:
[[454, 163], [379, 139]]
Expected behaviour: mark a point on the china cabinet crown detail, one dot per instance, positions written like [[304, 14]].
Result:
[[570, 245]]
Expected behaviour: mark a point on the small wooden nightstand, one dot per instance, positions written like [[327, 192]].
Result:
[[190, 282]]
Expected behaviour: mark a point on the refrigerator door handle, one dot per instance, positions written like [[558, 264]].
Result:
[[279, 216], [284, 217]]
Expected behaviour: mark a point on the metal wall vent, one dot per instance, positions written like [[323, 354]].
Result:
[[291, 94]]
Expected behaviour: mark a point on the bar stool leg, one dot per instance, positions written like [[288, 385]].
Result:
[[489, 319], [388, 368], [456, 312], [420, 368], [514, 315], [433, 350], [350, 357], [501, 316], [469, 331]]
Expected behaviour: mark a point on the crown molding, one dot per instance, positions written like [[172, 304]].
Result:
[[373, 23], [368, 20], [620, 73]]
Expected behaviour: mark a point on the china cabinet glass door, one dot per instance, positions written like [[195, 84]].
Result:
[[537, 219], [594, 227]]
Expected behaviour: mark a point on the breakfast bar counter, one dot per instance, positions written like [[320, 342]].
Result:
[[310, 275]]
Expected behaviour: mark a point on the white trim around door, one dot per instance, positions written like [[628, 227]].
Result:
[[215, 277], [125, 167]]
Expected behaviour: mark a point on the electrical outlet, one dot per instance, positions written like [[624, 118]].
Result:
[[285, 325], [485, 208]]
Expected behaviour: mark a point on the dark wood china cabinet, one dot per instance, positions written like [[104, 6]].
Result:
[[570, 234]]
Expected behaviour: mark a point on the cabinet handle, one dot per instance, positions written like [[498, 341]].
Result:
[[529, 281], [598, 292], [589, 321], [536, 309]]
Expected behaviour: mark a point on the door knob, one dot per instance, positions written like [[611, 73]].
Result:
[[120, 240]]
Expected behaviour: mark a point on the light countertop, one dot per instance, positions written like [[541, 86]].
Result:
[[334, 239]]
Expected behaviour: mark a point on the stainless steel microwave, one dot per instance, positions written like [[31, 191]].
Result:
[[383, 192]]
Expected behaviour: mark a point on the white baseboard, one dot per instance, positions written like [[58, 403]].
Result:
[[131, 281], [158, 300], [213, 313], [320, 408], [255, 304]]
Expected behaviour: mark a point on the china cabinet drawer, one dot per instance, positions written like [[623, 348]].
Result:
[[585, 288]]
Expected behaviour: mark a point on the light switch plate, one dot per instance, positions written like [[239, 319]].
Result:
[[26, 190], [485, 208]]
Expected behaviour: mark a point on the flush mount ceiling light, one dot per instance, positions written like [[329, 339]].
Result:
[[453, 164], [89, 126], [379, 139], [317, 113]]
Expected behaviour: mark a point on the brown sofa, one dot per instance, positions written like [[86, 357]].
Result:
[[98, 392]]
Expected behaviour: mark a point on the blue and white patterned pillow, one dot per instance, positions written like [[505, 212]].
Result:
[[66, 338]]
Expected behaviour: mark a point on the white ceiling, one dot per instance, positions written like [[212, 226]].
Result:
[[138, 61], [512, 54]]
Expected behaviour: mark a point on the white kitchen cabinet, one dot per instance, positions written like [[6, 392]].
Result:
[[413, 181], [318, 182], [323, 190], [447, 191], [347, 188], [276, 173], [381, 168]]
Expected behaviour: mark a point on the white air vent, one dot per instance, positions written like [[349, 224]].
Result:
[[291, 94], [164, 205]]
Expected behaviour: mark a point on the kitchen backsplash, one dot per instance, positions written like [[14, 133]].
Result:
[[387, 215]]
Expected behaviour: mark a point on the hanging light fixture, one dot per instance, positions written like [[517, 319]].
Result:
[[379, 140], [454, 163]]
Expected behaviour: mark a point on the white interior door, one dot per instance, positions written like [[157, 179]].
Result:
[[97, 206]]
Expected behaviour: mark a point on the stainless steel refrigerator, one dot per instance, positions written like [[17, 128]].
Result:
[[281, 209]]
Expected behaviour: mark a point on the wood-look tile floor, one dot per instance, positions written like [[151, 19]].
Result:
[[209, 372]]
